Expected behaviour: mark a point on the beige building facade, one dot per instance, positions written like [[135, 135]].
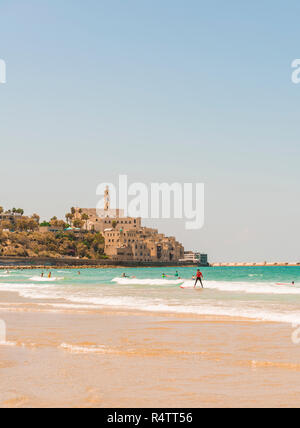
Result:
[[127, 240], [141, 245], [99, 223]]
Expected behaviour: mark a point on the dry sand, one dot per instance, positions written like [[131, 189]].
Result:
[[66, 358]]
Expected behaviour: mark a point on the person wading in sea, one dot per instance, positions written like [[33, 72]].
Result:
[[199, 278]]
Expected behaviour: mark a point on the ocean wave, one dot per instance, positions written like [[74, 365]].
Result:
[[149, 281], [33, 291], [19, 286], [246, 287], [209, 309], [171, 302], [45, 279], [206, 308]]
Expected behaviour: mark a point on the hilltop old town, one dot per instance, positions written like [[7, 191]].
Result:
[[91, 234]]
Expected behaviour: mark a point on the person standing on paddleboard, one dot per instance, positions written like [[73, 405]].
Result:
[[199, 278]]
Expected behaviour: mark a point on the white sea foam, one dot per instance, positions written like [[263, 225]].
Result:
[[137, 281], [45, 279], [244, 287], [85, 349], [205, 308], [247, 287], [32, 291], [173, 301]]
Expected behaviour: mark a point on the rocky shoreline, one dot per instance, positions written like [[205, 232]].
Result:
[[19, 263]]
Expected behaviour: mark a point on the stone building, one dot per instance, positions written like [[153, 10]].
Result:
[[114, 219], [141, 245], [127, 240], [200, 259]]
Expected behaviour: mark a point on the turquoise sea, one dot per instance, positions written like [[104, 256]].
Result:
[[260, 293]]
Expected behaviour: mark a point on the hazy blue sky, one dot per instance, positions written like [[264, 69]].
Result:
[[161, 90]]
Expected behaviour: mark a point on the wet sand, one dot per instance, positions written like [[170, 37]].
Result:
[[70, 358]]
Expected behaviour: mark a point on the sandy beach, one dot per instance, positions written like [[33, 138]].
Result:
[[110, 358]]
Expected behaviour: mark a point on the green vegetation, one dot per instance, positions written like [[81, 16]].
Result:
[[64, 244], [12, 211], [22, 236], [20, 224], [45, 224]]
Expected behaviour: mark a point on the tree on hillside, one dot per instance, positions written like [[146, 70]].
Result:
[[53, 221], [26, 224], [45, 224], [69, 218], [85, 218], [36, 217], [18, 211], [61, 223], [6, 225], [78, 223]]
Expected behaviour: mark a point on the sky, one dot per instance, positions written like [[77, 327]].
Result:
[[165, 91]]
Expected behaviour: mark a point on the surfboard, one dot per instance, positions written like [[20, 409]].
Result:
[[188, 285], [285, 284]]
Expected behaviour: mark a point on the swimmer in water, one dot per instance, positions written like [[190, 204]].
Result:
[[49, 275]]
